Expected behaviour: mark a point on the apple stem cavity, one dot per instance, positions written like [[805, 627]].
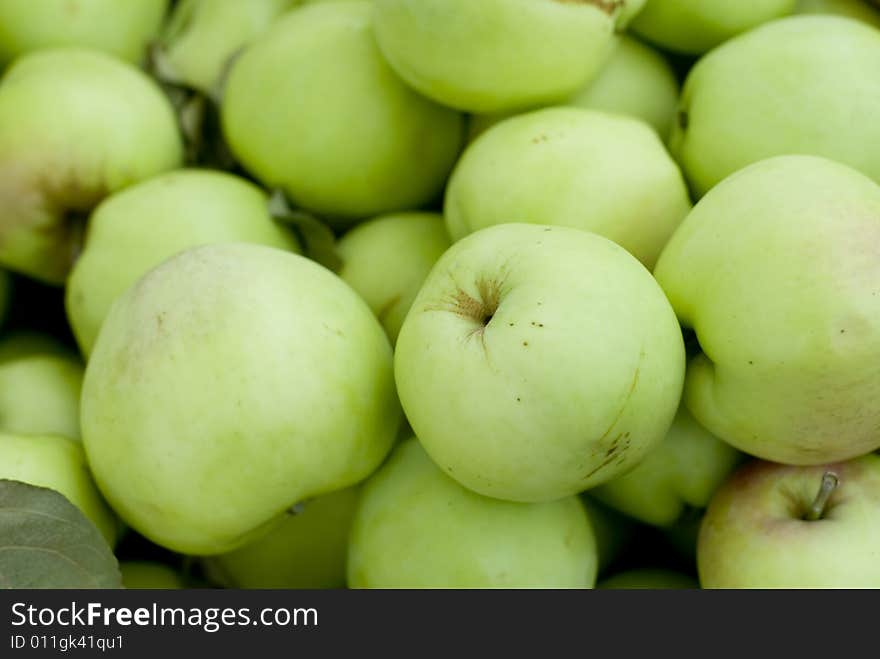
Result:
[[830, 481]]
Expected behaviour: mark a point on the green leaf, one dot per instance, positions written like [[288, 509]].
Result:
[[46, 542]]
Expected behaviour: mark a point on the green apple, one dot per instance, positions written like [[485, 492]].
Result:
[[40, 384], [387, 259], [150, 575], [696, 26], [414, 527], [307, 549], [57, 463], [202, 36], [803, 84], [115, 129], [648, 579], [612, 531], [856, 9], [571, 167], [121, 29], [135, 229], [228, 384], [312, 108], [537, 362], [789, 343], [496, 55], [683, 471], [636, 81], [630, 9], [782, 526]]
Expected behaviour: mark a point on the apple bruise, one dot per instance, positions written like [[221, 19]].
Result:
[[616, 451]]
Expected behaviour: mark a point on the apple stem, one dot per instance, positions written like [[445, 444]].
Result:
[[830, 481]]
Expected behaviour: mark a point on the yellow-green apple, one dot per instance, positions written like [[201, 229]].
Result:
[[312, 108], [115, 129], [495, 55], [307, 549], [782, 526], [556, 362], [612, 531], [696, 26], [387, 259], [856, 9], [683, 471], [136, 229], [789, 342], [150, 575], [40, 384], [228, 384], [630, 9], [571, 167], [636, 81], [57, 463], [202, 36], [121, 29], [648, 579], [414, 527], [802, 84]]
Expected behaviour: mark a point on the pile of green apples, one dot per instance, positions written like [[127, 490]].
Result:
[[444, 293]]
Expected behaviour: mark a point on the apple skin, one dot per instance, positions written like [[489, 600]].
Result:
[[856, 9], [556, 362], [40, 385], [312, 108], [387, 259], [201, 37], [636, 81], [414, 527], [117, 128], [648, 579], [696, 26], [495, 55], [57, 463], [229, 383], [571, 167], [134, 230], [788, 344], [631, 9], [121, 29], [756, 519], [305, 550], [804, 84], [683, 471], [149, 575]]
